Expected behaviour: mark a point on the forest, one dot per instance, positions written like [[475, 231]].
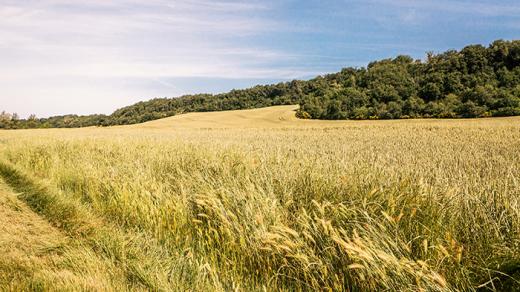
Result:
[[476, 81]]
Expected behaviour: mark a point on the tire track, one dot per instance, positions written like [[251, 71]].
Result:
[[145, 264]]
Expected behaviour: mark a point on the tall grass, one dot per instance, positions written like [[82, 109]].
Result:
[[417, 205]]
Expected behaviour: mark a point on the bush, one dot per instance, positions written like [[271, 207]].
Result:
[[471, 110]]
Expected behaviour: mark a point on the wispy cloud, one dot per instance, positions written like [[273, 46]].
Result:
[[130, 38], [64, 42], [498, 8]]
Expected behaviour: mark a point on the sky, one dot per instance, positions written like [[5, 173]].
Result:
[[94, 56]]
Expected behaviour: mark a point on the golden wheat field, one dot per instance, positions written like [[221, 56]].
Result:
[[258, 200]]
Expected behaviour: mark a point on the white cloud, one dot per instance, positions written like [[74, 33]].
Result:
[[65, 42], [160, 38], [499, 8]]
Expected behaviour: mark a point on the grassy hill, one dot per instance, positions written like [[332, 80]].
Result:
[[277, 116], [260, 200]]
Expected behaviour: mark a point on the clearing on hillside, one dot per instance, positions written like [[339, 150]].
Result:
[[276, 116]]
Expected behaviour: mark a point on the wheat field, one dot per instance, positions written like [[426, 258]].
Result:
[[258, 200]]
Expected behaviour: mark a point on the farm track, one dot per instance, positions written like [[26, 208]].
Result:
[[69, 225], [28, 243], [36, 255]]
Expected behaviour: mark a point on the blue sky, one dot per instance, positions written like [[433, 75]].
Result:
[[93, 56]]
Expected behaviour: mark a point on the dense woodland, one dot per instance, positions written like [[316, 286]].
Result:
[[474, 82]]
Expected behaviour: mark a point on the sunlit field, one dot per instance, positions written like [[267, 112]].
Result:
[[258, 200]]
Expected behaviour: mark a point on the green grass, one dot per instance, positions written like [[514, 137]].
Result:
[[380, 205]]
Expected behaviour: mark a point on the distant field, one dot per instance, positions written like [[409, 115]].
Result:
[[278, 116], [258, 200]]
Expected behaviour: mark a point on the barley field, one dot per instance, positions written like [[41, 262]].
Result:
[[258, 200]]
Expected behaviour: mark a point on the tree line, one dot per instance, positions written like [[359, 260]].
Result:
[[476, 81]]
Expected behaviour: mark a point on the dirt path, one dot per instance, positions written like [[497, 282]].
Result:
[[37, 256]]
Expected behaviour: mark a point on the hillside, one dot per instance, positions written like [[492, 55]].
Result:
[[476, 81], [277, 116]]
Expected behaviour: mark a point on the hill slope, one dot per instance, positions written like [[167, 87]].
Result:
[[263, 117]]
